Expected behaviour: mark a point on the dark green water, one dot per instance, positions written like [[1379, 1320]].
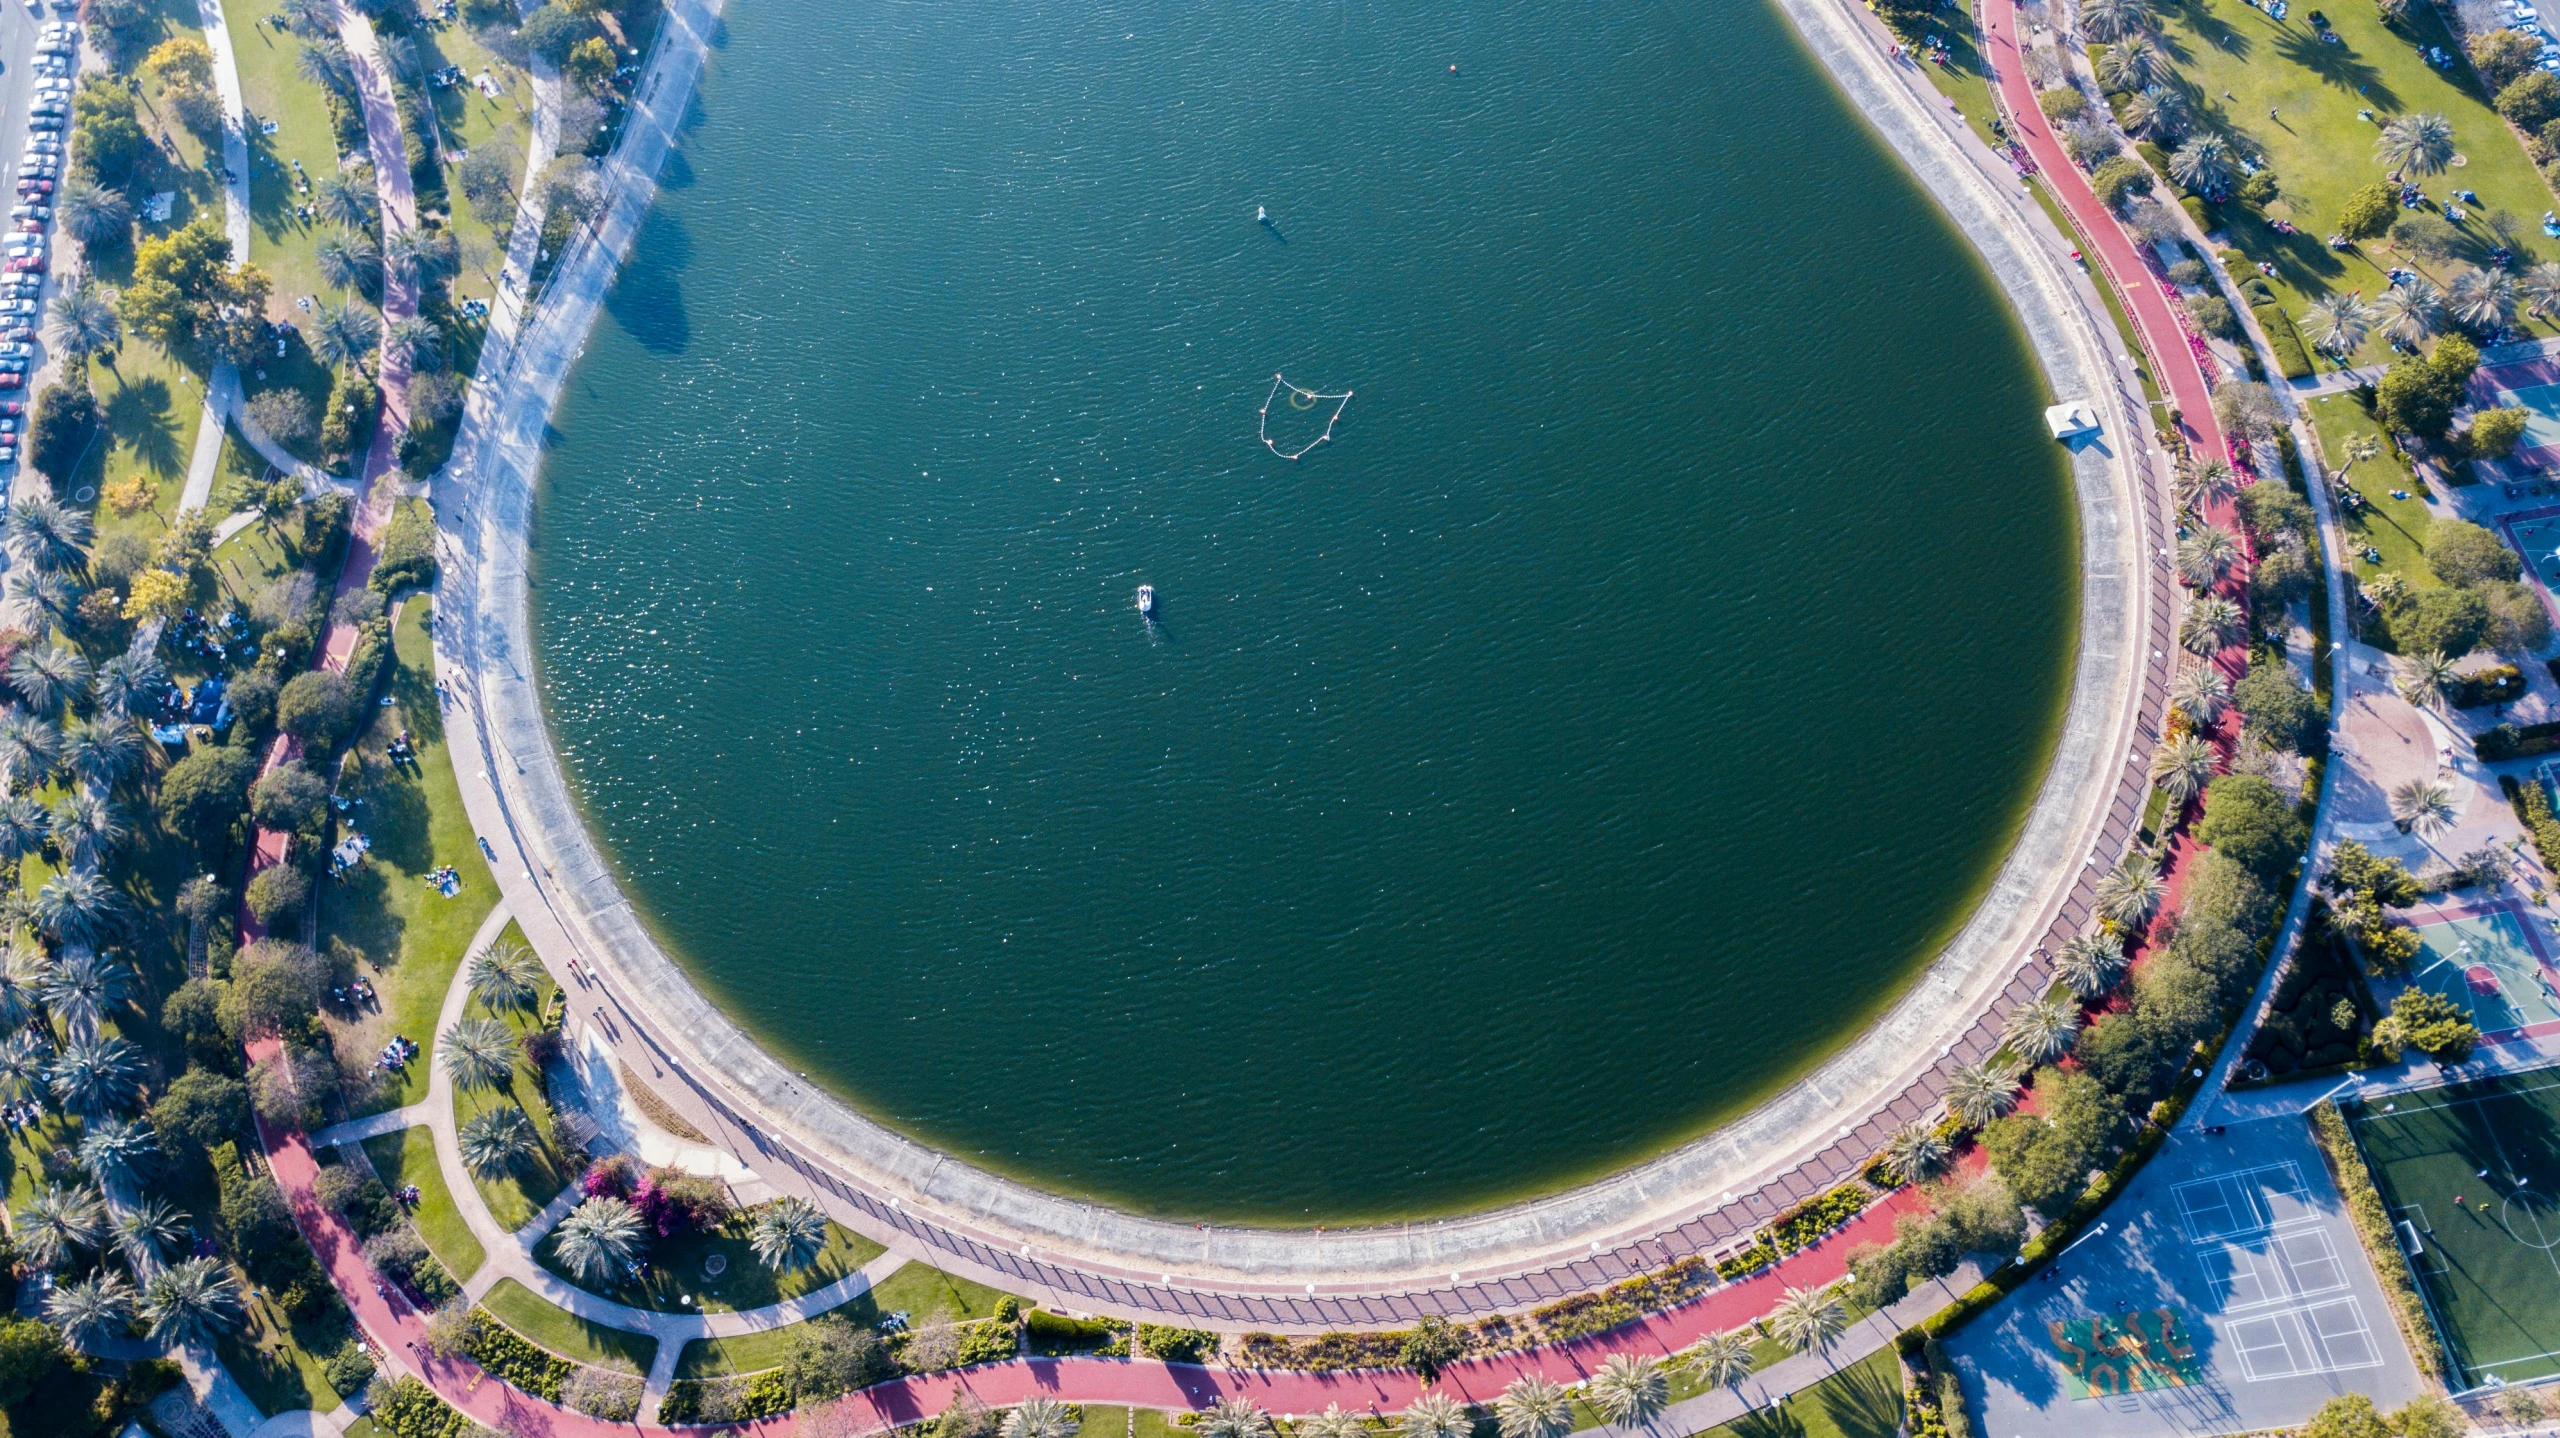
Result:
[[1621, 709]]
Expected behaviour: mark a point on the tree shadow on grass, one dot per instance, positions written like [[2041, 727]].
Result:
[[356, 912], [2338, 66], [138, 417], [1863, 1402]]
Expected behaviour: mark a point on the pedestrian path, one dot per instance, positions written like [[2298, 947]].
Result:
[[357, 1130]]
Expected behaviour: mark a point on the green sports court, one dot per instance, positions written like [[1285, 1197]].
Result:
[[2487, 1249]]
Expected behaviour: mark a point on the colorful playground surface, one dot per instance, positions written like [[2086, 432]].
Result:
[[2533, 385], [2107, 1354], [2491, 962]]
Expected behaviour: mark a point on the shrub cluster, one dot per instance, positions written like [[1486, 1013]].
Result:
[[2373, 1225], [1817, 1216], [2303, 1030], [1622, 1303], [693, 1401], [1176, 1345], [407, 1408], [2533, 806], [1055, 1334], [1324, 1353], [2497, 684], [499, 1349]]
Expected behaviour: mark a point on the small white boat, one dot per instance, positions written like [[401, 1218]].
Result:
[[1147, 600], [1261, 215]]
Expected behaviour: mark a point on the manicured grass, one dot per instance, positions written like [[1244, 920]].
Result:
[[2322, 152], [279, 241], [411, 935], [473, 121], [1863, 1400], [745, 1353], [2395, 528], [517, 1198], [676, 1272], [151, 404], [925, 1295], [274, 1365], [547, 1326], [1962, 79], [409, 1157]]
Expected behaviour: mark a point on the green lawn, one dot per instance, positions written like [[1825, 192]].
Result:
[[1863, 1400], [547, 1326], [677, 1272], [746, 1353], [151, 405], [1962, 78], [2395, 528], [412, 936], [474, 121], [275, 1363], [2322, 152], [279, 241], [925, 1295], [516, 1199], [408, 1157]]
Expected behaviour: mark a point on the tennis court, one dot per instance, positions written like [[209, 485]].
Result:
[[2471, 1175], [2490, 964]]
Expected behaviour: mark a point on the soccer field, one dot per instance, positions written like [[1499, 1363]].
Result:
[[2471, 1175]]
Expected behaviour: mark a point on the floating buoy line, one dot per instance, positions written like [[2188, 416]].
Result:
[[1302, 399]]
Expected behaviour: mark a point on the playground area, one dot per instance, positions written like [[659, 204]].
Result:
[[2490, 962], [2471, 1175]]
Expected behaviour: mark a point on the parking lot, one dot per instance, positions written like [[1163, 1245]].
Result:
[[39, 65]]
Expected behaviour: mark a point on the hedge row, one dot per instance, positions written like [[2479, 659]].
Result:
[[2292, 360], [2533, 806], [1176, 1345], [1623, 1303], [724, 1400], [1054, 1334], [1817, 1216], [407, 1408], [1324, 1353], [2510, 741], [2497, 684], [2373, 1225], [499, 1349]]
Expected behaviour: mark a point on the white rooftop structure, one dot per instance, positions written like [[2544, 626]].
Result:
[[2072, 421]]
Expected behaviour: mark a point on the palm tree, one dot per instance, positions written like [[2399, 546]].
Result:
[[505, 975], [2206, 555], [190, 1300], [2182, 767], [1435, 1415], [92, 213], [42, 532], [496, 1143], [1917, 1151], [598, 1239], [2204, 164], [82, 989], [342, 335], [1234, 1418], [2133, 65], [1979, 1093], [2340, 324], [411, 254], [787, 1234], [51, 595], [80, 907], [22, 973], [2114, 19], [2211, 623], [30, 745], [126, 682], [1333, 1422], [346, 201], [118, 1152], [2160, 112], [2424, 679], [2090, 964], [2415, 144], [1040, 1418], [2411, 310], [1534, 1407], [2482, 299], [149, 1231], [24, 1061], [1628, 1391], [84, 320], [2423, 807], [57, 1222], [2131, 890], [49, 677], [347, 261], [418, 340], [88, 829], [100, 753], [2198, 485], [95, 1077], [90, 1310], [2042, 1031], [24, 827], [478, 1053], [1808, 1320], [2199, 692], [1720, 1360], [2540, 288]]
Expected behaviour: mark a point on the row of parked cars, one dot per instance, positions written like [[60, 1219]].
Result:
[[2521, 15], [25, 249]]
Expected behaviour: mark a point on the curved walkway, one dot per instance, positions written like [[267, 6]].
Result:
[[1701, 1199]]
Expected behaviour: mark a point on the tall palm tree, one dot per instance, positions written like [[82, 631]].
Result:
[[101, 752], [598, 1240], [2114, 19], [1334, 1422], [118, 1152], [497, 1142], [323, 62], [84, 320], [2415, 144], [2204, 164], [2212, 622], [2042, 1031], [2160, 112], [478, 1053], [342, 335], [418, 340], [2423, 807], [2131, 890], [88, 829], [346, 199], [24, 827], [2411, 310], [2339, 324], [2182, 767], [95, 1077], [1917, 1151], [22, 974], [1628, 1390], [1531, 1406], [2133, 65], [80, 908], [2206, 555], [2424, 679], [2199, 692], [191, 1300], [50, 594], [347, 261], [787, 1234], [1808, 1320], [1979, 1093], [45, 533], [30, 746], [48, 676], [81, 989], [2482, 299], [2540, 288], [91, 1310], [505, 975], [1040, 1418], [2090, 964], [2198, 485], [1234, 1418], [92, 213], [126, 683], [1720, 1360], [56, 1223], [1435, 1415], [148, 1231], [25, 1059]]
